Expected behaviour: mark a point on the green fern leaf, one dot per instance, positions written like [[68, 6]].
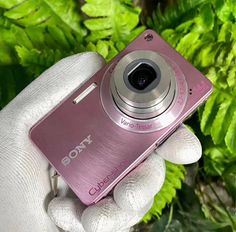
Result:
[[44, 12], [217, 158], [208, 114], [12, 80], [222, 120], [35, 34], [230, 138], [225, 9], [112, 24], [111, 19], [188, 39], [105, 48], [39, 24], [36, 61], [175, 14], [174, 176]]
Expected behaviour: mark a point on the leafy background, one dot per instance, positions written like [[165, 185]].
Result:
[[34, 34]]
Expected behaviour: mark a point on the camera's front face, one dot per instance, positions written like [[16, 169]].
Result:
[[146, 90], [115, 119]]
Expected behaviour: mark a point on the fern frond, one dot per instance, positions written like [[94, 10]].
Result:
[[174, 177], [36, 61], [175, 14], [105, 48], [225, 10], [112, 19], [35, 34], [217, 159], [43, 12], [218, 117], [13, 80], [39, 24]]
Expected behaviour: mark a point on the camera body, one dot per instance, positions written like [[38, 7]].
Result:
[[112, 122]]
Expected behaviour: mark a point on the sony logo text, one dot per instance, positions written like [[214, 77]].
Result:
[[75, 152]]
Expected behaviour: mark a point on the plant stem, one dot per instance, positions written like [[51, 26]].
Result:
[[170, 216], [223, 205], [220, 201]]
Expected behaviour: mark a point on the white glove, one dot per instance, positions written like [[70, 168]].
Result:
[[25, 186]]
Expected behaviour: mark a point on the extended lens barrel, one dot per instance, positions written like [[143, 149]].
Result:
[[143, 84]]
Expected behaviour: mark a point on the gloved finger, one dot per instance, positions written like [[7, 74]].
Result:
[[107, 216], [51, 87], [141, 185], [182, 147], [66, 213], [145, 181]]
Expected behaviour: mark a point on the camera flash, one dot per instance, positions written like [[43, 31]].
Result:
[[84, 93]]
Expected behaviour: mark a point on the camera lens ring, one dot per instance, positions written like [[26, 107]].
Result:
[[144, 113], [143, 104], [149, 98], [154, 124]]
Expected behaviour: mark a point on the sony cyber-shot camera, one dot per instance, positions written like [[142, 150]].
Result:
[[112, 122]]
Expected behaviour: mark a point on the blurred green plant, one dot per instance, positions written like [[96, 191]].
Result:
[[31, 30], [111, 25], [187, 216], [34, 34]]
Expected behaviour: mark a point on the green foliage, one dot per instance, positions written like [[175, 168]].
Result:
[[204, 32], [37, 33], [39, 25], [186, 215], [229, 177], [217, 158], [174, 15], [12, 81], [112, 25], [174, 175], [34, 35], [111, 19]]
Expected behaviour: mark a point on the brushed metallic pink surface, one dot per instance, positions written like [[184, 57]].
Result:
[[119, 143]]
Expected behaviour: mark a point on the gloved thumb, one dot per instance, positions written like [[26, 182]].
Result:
[[66, 213], [182, 147]]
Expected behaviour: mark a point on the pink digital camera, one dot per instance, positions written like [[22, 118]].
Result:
[[112, 122]]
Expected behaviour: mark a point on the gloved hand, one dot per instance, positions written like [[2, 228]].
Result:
[[25, 186]]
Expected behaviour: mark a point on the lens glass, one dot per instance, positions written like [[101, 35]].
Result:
[[142, 76]]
